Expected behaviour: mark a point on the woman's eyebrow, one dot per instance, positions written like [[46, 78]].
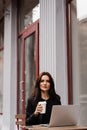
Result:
[[45, 80]]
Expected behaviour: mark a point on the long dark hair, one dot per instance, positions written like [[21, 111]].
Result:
[[37, 92]]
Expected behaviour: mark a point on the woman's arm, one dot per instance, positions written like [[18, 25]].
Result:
[[31, 118], [33, 112]]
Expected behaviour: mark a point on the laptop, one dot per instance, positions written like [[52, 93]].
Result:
[[64, 115]]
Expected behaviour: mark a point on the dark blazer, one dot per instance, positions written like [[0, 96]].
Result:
[[31, 119]]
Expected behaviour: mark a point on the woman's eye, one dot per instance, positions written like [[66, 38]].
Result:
[[45, 81], [42, 81], [48, 81]]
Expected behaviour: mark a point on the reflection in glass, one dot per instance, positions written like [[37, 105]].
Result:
[[1, 62], [29, 12], [19, 78], [32, 15], [1, 80], [29, 65], [81, 9]]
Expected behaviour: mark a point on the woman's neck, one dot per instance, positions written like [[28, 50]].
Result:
[[45, 95]]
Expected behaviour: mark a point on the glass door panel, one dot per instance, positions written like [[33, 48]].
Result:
[[29, 65], [19, 76]]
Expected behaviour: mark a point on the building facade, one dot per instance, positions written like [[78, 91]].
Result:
[[31, 45]]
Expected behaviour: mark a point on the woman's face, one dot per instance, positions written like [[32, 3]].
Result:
[[45, 83]]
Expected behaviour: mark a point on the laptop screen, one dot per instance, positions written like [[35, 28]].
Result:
[[64, 115]]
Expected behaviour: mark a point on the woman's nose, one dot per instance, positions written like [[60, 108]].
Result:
[[44, 82]]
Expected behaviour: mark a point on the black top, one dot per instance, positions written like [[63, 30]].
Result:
[[31, 119]]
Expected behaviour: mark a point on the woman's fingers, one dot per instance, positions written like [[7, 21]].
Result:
[[38, 109]]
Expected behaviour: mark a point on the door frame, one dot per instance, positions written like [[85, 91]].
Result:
[[33, 28]]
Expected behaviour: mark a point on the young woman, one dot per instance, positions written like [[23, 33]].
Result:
[[44, 91]]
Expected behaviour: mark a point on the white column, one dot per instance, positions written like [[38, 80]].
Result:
[[75, 54], [47, 35], [53, 43], [10, 69]]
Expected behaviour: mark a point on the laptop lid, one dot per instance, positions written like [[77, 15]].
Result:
[[64, 115]]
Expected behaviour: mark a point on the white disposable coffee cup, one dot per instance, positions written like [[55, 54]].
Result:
[[43, 104]]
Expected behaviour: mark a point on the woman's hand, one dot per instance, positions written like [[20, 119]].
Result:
[[38, 109]]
